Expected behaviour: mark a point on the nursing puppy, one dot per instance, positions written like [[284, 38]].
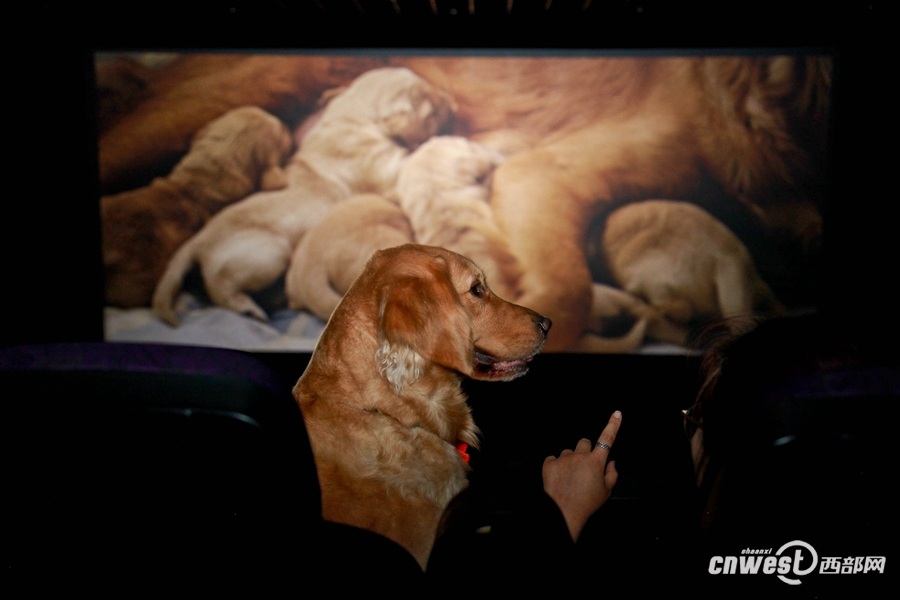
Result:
[[235, 155], [662, 128], [444, 189], [179, 95], [381, 395], [589, 132], [681, 261], [332, 253], [356, 145]]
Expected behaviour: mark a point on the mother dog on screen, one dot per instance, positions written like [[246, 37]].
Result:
[[628, 129], [581, 133]]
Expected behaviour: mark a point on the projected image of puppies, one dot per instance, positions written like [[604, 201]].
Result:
[[239, 153], [444, 187], [356, 146], [334, 252], [581, 135], [682, 262]]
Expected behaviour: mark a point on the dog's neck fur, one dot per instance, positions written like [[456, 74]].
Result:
[[422, 402]]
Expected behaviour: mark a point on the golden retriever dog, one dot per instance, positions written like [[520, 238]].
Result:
[[357, 145], [335, 250], [591, 131], [666, 128], [684, 263], [180, 96], [444, 189], [381, 395], [239, 153], [369, 128]]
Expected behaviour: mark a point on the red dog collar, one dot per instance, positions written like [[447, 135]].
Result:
[[461, 448]]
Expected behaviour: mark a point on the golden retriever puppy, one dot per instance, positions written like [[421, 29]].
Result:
[[239, 153], [588, 131], [357, 145], [392, 104], [673, 126], [181, 96], [444, 189], [684, 263], [333, 252], [381, 396]]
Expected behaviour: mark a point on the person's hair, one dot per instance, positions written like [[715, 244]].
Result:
[[747, 359], [792, 410]]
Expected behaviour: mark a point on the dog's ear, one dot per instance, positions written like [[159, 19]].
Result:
[[423, 320]]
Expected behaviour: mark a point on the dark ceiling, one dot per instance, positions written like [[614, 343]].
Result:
[[461, 23]]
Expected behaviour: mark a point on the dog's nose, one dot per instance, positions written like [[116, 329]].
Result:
[[544, 324]]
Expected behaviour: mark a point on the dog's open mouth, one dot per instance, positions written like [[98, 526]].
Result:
[[490, 367]]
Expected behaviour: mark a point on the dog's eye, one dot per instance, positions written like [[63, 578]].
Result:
[[477, 289]]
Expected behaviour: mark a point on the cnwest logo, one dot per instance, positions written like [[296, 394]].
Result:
[[790, 562]]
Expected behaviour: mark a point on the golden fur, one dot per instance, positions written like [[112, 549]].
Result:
[[382, 395], [178, 98], [356, 145], [444, 188], [334, 251], [684, 263], [585, 132], [610, 304], [664, 128], [239, 153]]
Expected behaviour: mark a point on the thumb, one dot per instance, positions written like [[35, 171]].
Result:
[[611, 475]]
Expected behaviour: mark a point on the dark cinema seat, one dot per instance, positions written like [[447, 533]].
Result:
[[167, 467]]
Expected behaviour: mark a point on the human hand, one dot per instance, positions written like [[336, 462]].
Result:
[[580, 481]]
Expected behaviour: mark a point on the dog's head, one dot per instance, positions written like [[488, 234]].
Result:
[[404, 106], [434, 308]]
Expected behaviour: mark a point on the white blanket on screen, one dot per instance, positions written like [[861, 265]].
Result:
[[206, 325]]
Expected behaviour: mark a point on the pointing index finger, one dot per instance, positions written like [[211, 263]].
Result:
[[608, 436]]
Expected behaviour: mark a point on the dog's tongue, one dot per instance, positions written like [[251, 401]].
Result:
[[510, 365]]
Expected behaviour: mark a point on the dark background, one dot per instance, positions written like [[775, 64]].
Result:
[[51, 274]]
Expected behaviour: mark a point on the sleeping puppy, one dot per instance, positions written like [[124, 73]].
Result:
[[444, 188], [587, 133], [750, 126], [333, 253], [181, 93], [683, 262], [357, 145], [382, 397], [235, 155], [369, 128]]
